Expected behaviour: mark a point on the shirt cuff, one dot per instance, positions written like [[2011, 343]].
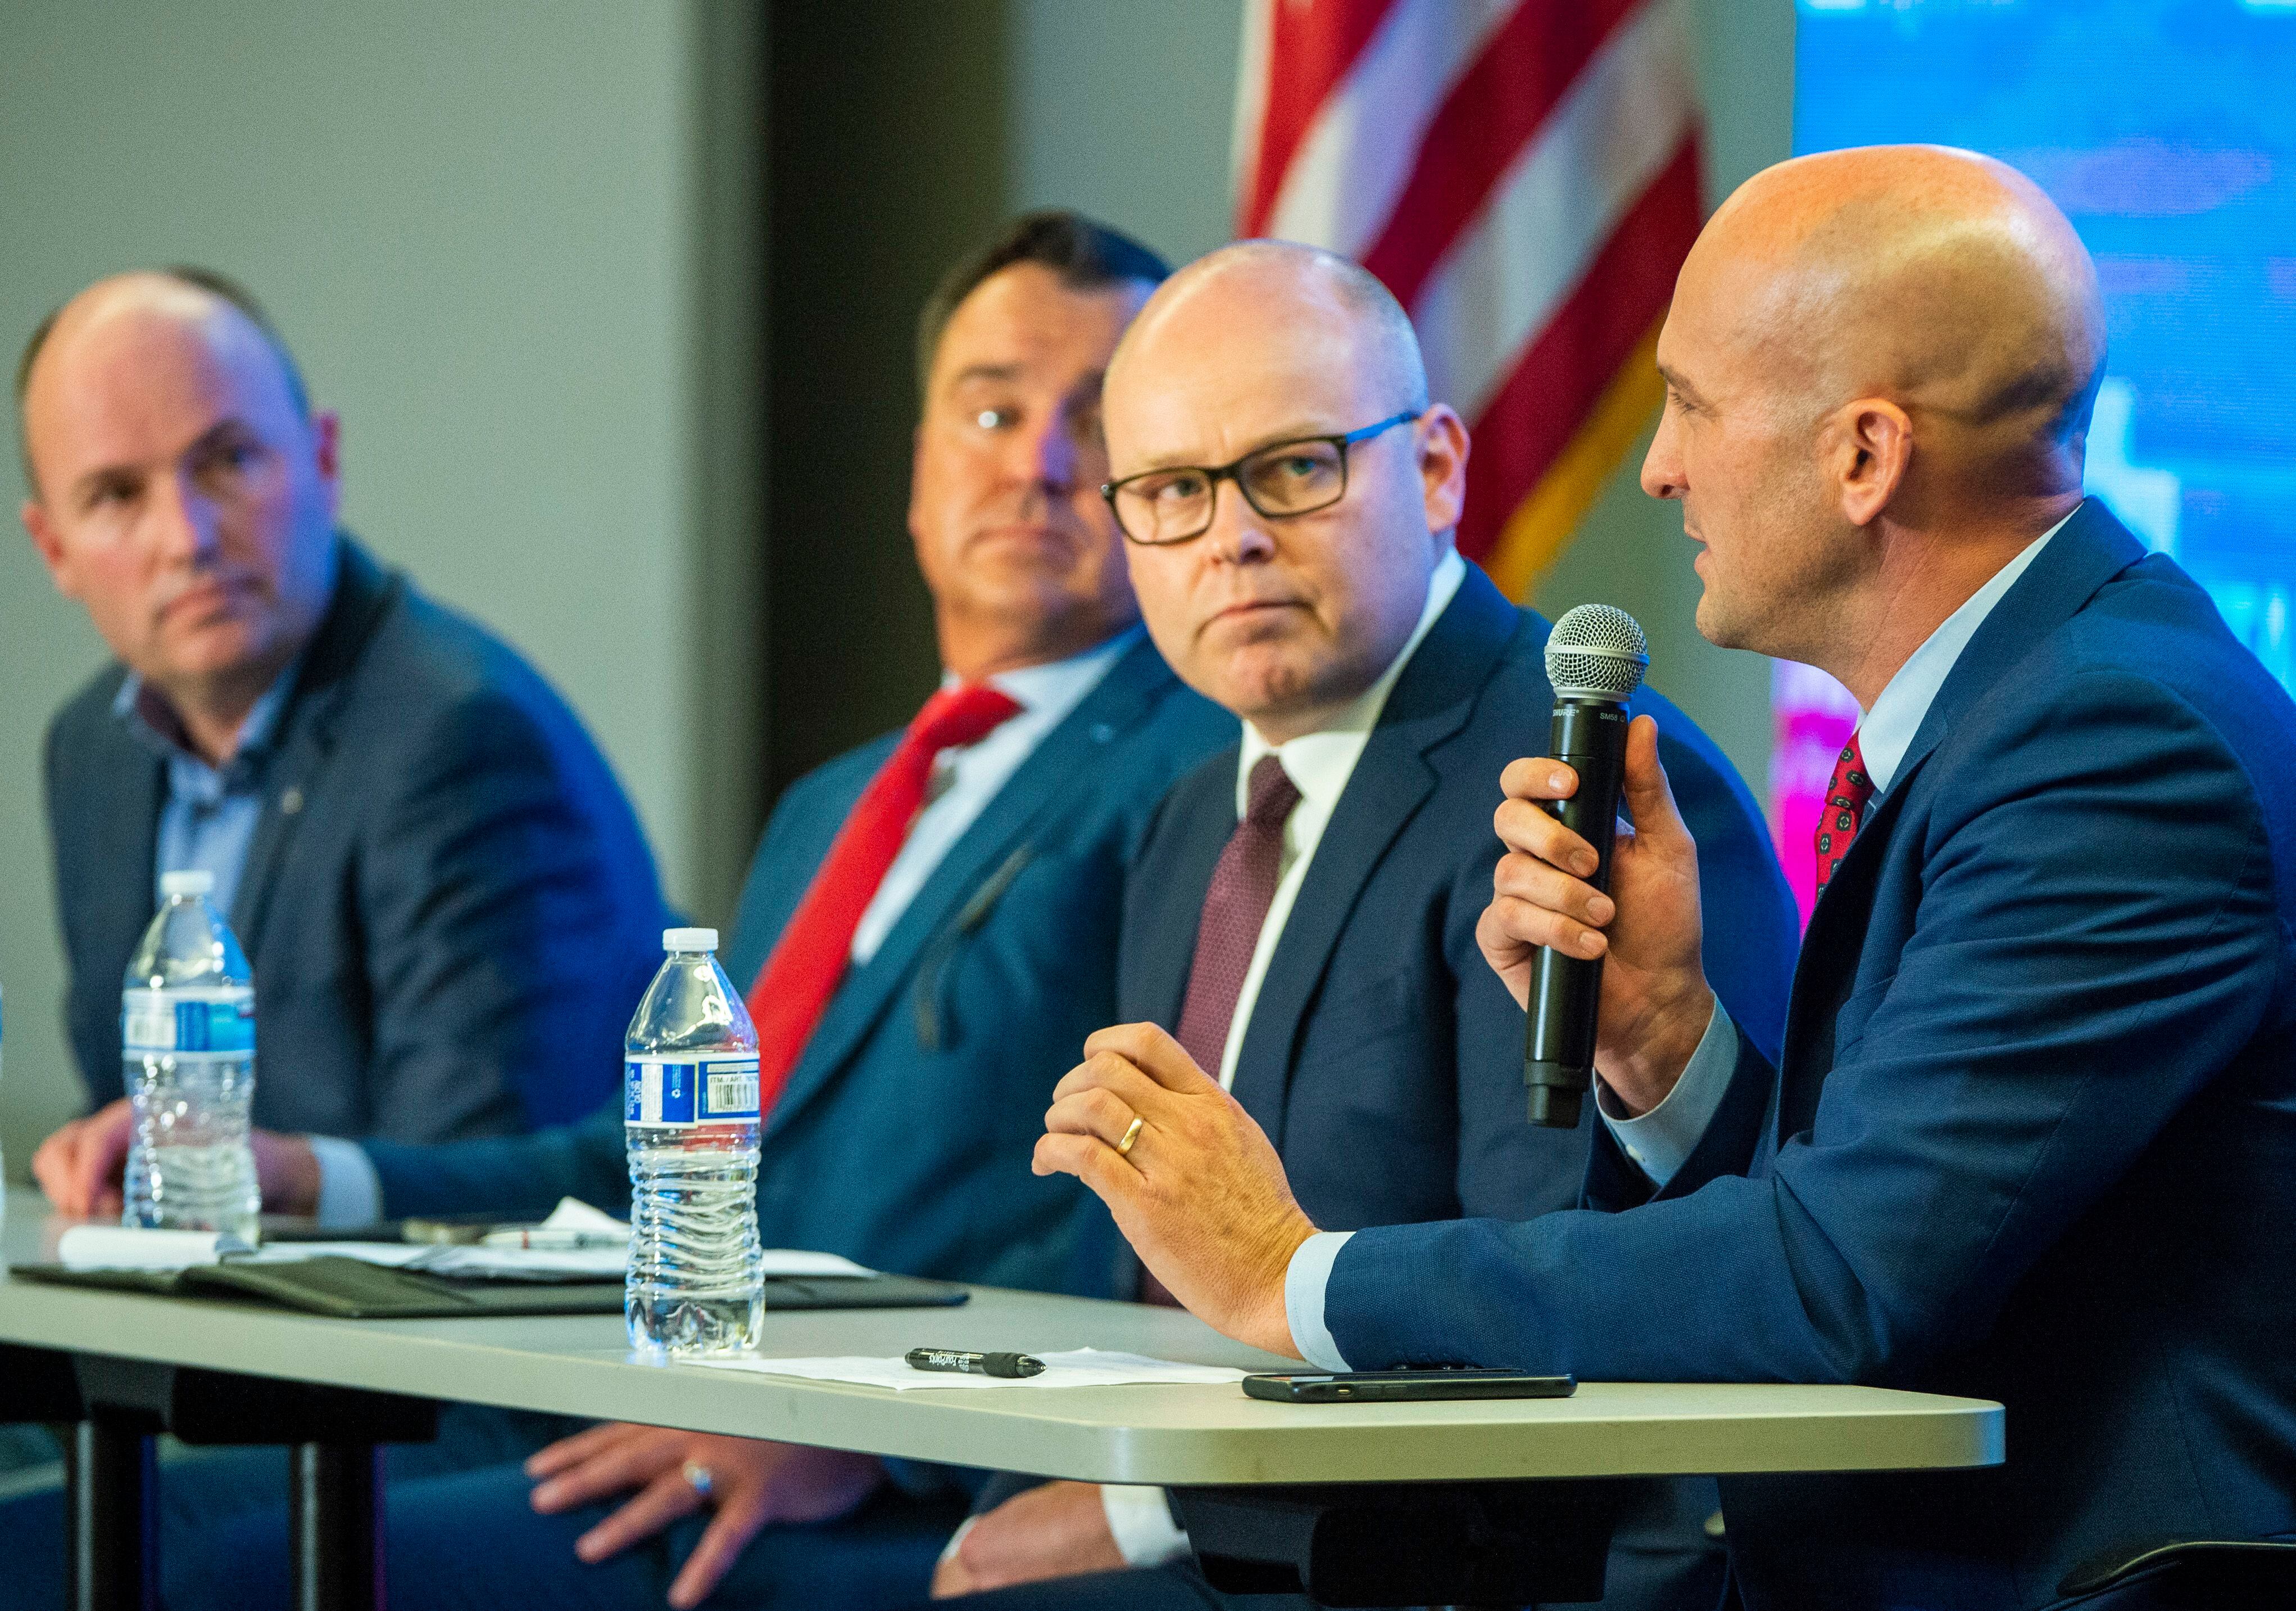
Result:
[[350, 1193], [956, 1539], [1310, 1272], [1141, 1521], [1661, 1140]]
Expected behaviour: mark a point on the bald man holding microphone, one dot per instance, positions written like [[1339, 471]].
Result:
[[2033, 1137]]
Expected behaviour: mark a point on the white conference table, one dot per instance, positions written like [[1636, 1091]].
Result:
[[1181, 1436]]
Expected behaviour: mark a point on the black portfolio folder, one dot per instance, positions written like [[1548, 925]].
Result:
[[352, 1289]]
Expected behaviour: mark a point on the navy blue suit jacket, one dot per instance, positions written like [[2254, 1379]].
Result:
[[903, 1137], [1383, 1058], [448, 903], [2033, 1138]]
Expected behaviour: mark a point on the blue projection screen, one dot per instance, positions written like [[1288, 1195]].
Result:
[[2167, 131]]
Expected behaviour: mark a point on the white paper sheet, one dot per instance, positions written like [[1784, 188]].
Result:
[[126, 1247], [1076, 1368]]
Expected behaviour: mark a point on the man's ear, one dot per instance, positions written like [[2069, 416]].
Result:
[[1443, 446], [916, 474], [327, 454], [1865, 449]]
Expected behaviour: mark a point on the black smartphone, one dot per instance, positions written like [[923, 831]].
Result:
[[1407, 1386]]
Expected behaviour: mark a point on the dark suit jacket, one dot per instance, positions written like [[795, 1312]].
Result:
[[2033, 1138], [448, 906], [904, 1135], [1380, 1036]]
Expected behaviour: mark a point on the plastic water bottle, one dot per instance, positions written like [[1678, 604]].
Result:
[[188, 1053], [696, 1284]]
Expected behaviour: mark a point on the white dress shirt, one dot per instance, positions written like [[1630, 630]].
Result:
[[1661, 1140], [965, 781], [1319, 765]]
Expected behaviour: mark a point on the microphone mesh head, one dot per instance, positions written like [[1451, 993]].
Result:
[[1596, 653]]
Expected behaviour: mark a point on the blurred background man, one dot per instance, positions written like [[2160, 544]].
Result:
[[441, 890], [1303, 916]]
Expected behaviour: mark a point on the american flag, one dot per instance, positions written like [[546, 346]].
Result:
[[1524, 175]]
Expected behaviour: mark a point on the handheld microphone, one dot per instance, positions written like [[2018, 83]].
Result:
[[1595, 658]]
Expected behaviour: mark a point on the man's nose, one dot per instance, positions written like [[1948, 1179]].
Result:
[[1052, 456], [186, 524], [1662, 474], [1238, 534]]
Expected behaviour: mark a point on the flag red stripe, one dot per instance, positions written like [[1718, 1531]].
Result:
[[1310, 50], [1495, 108], [1565, 368]]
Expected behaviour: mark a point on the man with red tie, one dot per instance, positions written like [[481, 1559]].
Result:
[[928, 933]]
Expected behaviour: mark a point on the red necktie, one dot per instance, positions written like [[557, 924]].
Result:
[[1845, 808], [1235, 909], [793, 988]]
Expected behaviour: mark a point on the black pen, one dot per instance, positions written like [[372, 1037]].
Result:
[[1011, 1366]]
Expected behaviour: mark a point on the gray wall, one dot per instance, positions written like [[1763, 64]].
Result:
[[495, 235]]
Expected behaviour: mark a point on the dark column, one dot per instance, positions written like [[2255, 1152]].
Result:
[[109, 1472], [334, 1526]]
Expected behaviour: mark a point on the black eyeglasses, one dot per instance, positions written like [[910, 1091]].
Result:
[[1158, 507]]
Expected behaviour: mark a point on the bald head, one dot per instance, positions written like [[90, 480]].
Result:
[[1940, 280], [1283, 617], [1880, 366], [1280, 302], [199, 299]]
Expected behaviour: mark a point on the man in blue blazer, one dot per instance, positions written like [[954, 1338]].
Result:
[[1386, 683], [444, 897], [986, 954], [2033, 1137]]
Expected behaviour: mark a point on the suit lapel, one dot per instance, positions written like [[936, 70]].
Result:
[[1123, 698], [1432, 701], [364, 592], [2091, 549], [127, 832]]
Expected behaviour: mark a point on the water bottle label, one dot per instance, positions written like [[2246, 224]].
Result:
[[163, 1021], [673, 1090]]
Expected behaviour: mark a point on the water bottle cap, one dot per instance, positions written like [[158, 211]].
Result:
[[689, 940], [190, 881]]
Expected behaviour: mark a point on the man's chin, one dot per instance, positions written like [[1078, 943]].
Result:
[[211, 652]]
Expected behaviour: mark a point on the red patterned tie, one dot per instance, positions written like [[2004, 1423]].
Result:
[[793, 988], [1845, 808], [1236, 908]]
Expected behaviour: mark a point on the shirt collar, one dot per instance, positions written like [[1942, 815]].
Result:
[[1888, 728], [1319, 763], [1058, 686], [155, 724]]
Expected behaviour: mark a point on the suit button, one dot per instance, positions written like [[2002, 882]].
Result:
[[290, 801], [1101, 731]]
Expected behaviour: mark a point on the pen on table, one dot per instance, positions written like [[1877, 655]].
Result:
[[555, 1241], [1010, 1366]]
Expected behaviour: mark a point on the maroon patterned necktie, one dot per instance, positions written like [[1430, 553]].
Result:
[[1845, 810], [1236, 908]]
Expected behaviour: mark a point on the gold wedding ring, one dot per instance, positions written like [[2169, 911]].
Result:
[[1131, 1134]]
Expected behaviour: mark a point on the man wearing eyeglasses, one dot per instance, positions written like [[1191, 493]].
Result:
[[1303, 917]]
